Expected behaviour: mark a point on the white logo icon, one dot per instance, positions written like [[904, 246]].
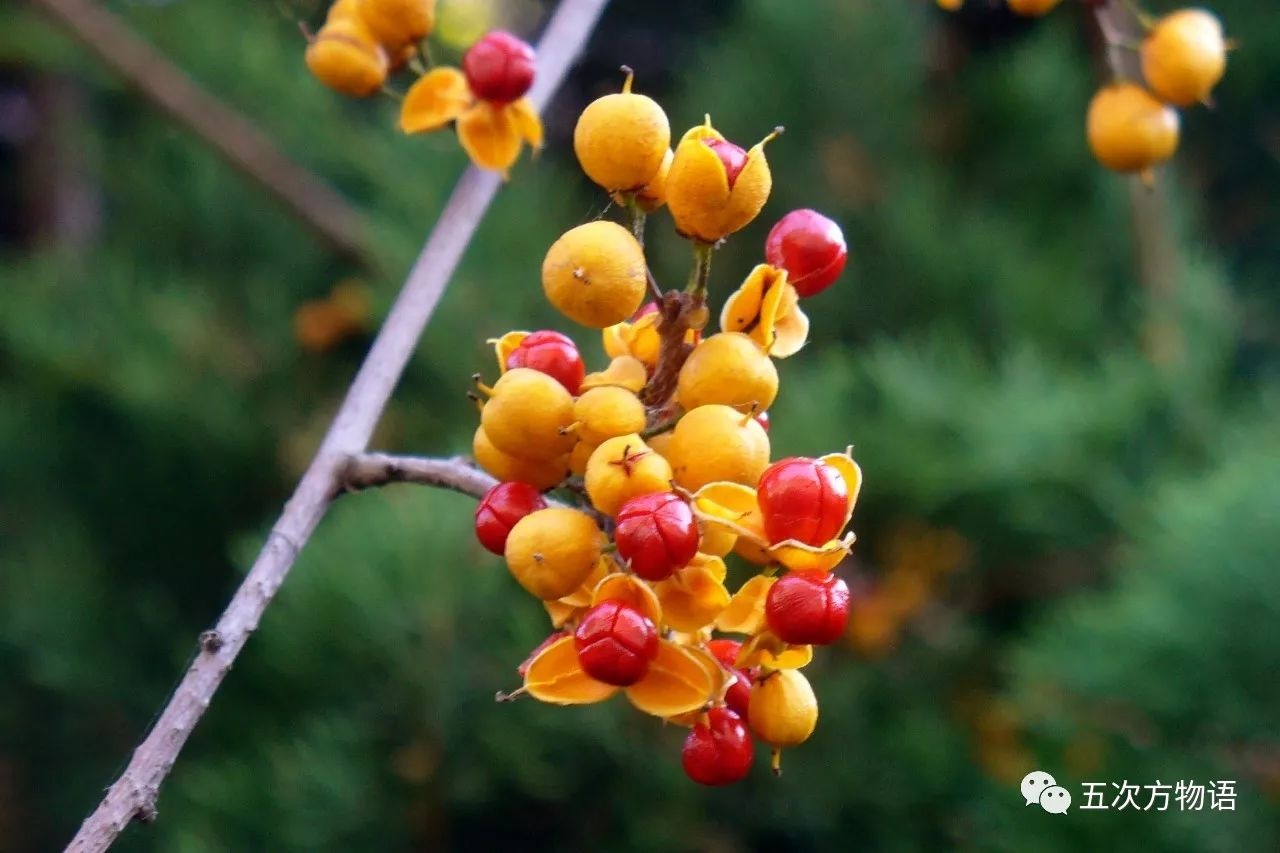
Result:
[[1040, 787], [1055, 799], [1034, 784]]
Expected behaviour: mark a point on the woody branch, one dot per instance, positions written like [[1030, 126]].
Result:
[[134, 793]]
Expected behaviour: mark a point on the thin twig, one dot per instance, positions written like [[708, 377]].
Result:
[[134, 794], [239, 141], [458, 474]]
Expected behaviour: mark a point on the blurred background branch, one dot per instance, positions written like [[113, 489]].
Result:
[[240, 142], [1156, 255]]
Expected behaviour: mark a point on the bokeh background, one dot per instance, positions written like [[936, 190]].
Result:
[[1064, 395]]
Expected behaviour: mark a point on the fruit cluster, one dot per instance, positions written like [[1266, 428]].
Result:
[[1132, 127], [660, 462], [363, 42]]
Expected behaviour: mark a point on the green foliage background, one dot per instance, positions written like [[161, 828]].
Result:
[[1116, 616]]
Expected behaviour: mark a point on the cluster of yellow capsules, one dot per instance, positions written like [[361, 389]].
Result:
[[1132, 125], [659, 464]]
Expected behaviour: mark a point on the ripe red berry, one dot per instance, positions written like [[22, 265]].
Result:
[[764, 420], [725, 650], [738, 696], [802, 499], [499, 67], [553, 354], [615, 643], [810, 247], [656, 534], [808, 607], [500, 509], [718, 752], [732, 156]]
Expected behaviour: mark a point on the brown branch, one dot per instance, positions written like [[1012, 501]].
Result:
[[458, 474], [134, 794], [240, 142], [678, 310], [1157, 258]]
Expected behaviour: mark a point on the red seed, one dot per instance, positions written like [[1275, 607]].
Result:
[[615, 643], [499, 67], [500, 509], [738, 696], [732, 156], [808, 607], [810, 247], [553, 354], [656, 534], [802, 499], [718, 752]]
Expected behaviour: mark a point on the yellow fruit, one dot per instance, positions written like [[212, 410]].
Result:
[[552, 551], [731, 369], [717, 443], [652, 195], [705, 201], [1129, 130], [1032, 8], [950, 5], [527, 413], [661, 443], [622, 139], [343, 9], [578, 458], [1184, 56], [595, 274], [783, 710], [623, 468], [397, 23], [542, 474], [345, 57], [607, 412]]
